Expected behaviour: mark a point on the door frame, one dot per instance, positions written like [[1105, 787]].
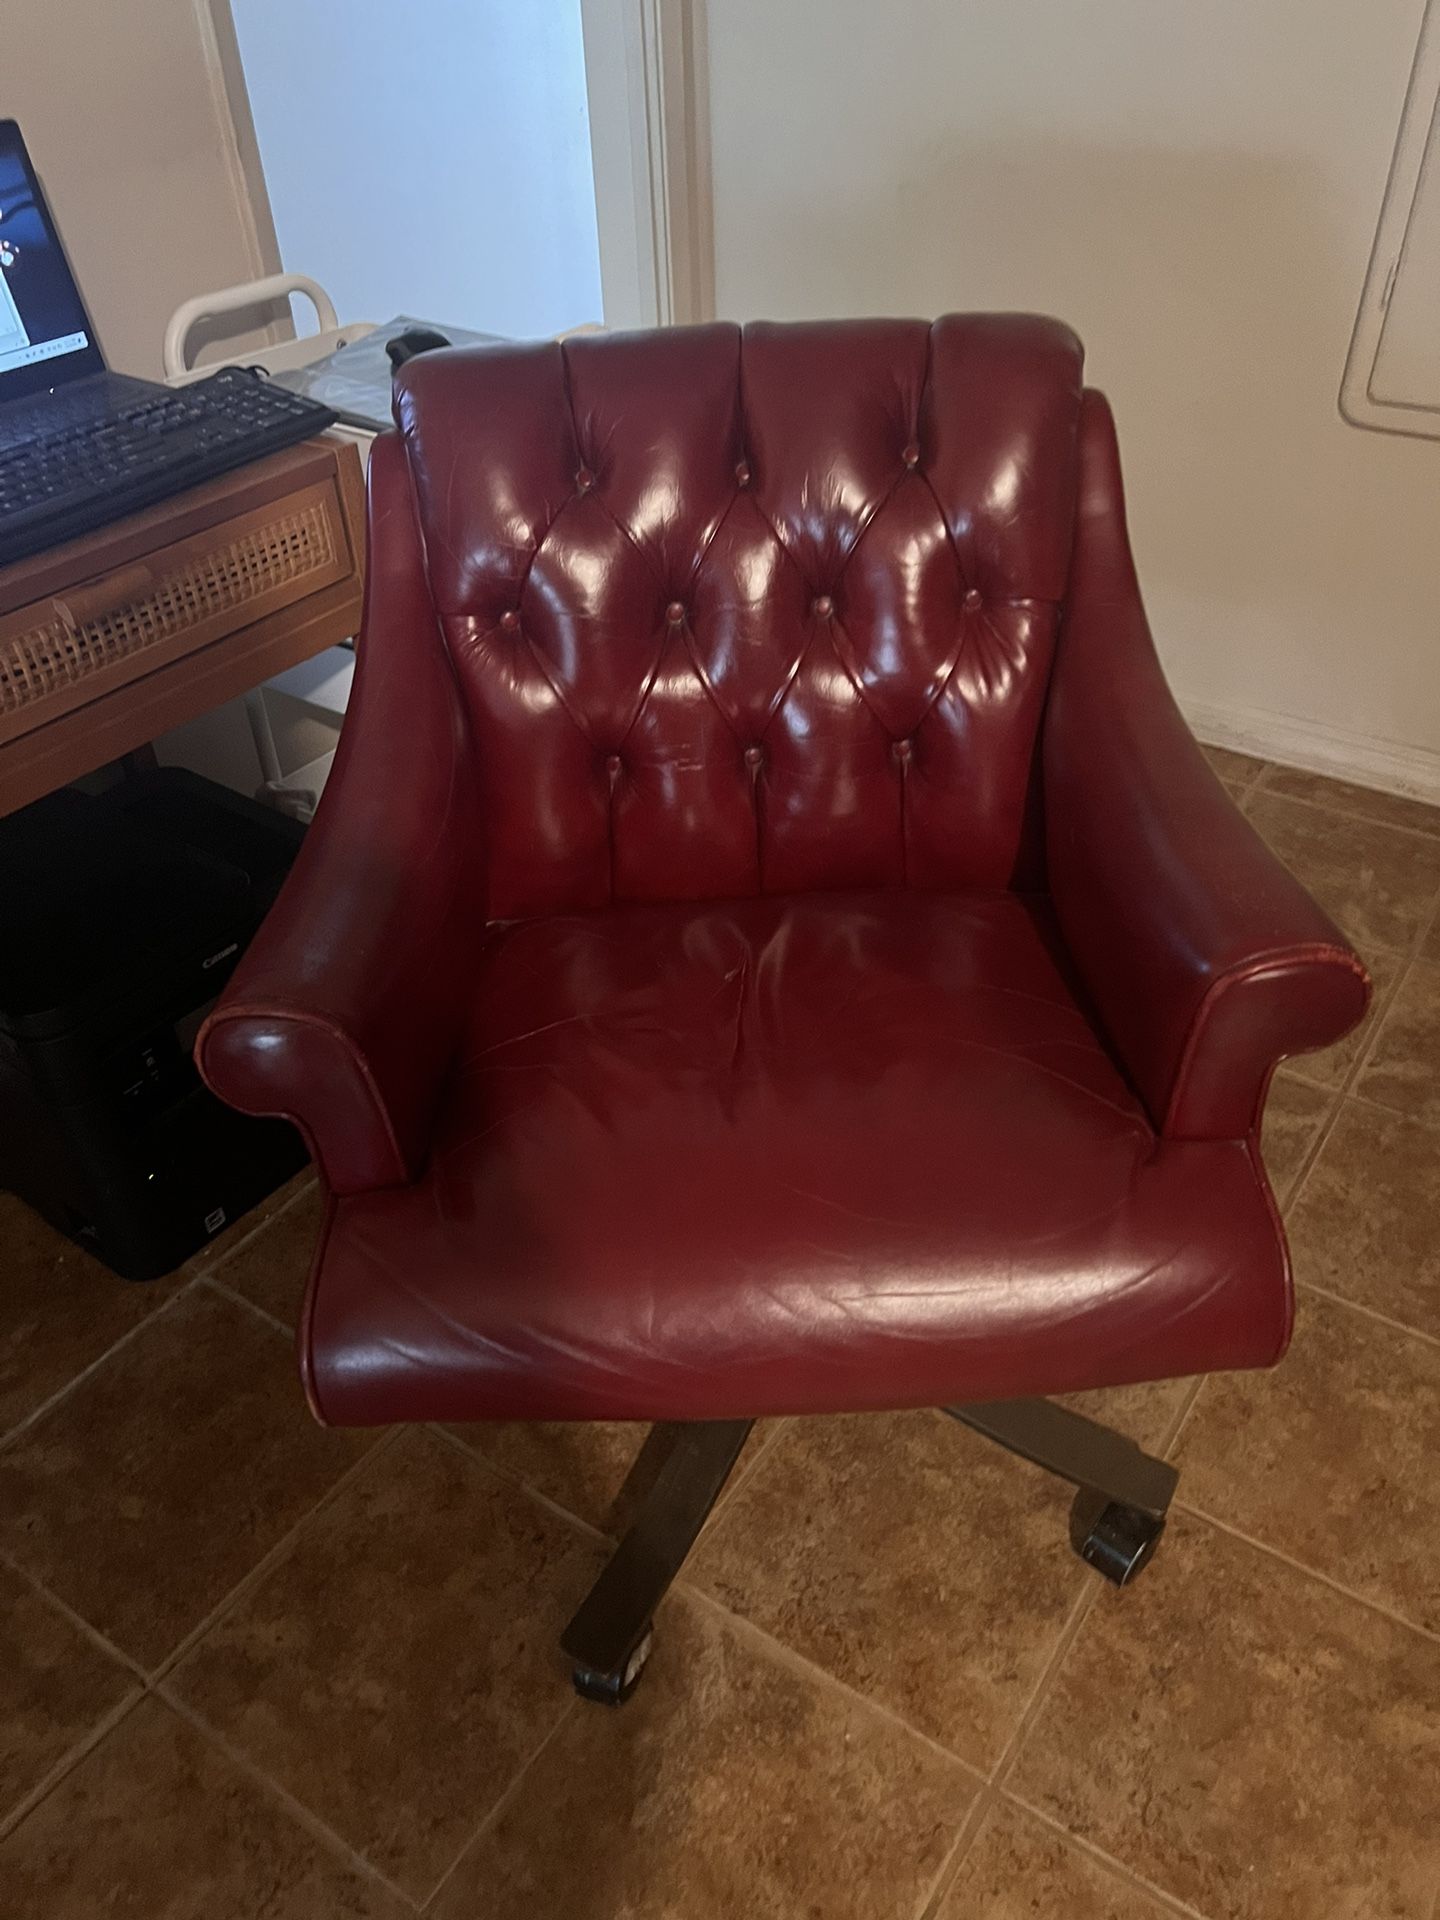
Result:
[[647, 87], [1359, 404]]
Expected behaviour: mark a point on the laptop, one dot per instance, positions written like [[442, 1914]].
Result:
[[79, 445]]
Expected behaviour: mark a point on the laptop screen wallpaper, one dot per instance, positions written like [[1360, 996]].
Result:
[[41, 317]]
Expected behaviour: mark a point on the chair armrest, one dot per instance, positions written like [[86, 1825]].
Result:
[[342, 1016], [1206, 961]]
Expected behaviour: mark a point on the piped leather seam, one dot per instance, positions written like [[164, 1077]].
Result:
[[1272, 1207], [1316, 953], [306, 1332], [319, 1023]]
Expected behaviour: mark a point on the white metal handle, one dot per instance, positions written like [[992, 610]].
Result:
[[252, 293]]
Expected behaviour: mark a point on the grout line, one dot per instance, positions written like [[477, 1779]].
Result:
[[755, 1453], [193, 1277], [1406, 957], [1383, 1011], [1069, 1632], [116, 1653], [1171, 1902], [1427, 836], [1168, 1451], [69, 1760], [1370, 1313], [39, 1412], [502, 1803], [1432, 920], [511, 1478], [1369, 1101], [1345, 1090], [267, 1562], [787, 1656], [317, 1828], [1169, 1440], [213, 1284], [1310, 1573], [1085, 1600], [955, 1854], [508, 1478], [1293, 1068], [1384, 1006], [1308, 1159], [199, 1268]]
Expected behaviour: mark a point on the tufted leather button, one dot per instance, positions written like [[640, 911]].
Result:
[[903, 750], [973, 598], [911, 455], [675, 612], [584, 479], [742, 473], [753, 756], [822, 606], [612, 764], [510, 620]]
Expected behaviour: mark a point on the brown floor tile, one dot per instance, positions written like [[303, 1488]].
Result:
[[1403, 1072], [144, 1495], [224, 1244], [1145, 1413], [398, 1666], [580, 1465], [271, 1267], [1377, 882], [922, 1565], [55, 1686], [1330, 1067], [1247, 1738], [1017, 1868], [1235, 769], [730, 1785], [59, 1310], [1386, 809], [1331, 1457], [1294, 1114], [156, 1824], [1363, 1224]]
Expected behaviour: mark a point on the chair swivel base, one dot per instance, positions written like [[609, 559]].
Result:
[[614, 1688], [675, 1482], [1118, 1514], [1118, 1541], [1115, 1524]]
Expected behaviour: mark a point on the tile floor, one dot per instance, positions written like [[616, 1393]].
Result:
[[251, 1668]]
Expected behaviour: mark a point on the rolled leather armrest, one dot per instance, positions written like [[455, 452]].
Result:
[[1206, 961], [342, 1015]]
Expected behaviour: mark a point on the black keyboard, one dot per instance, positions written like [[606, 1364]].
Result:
[[65, 480]]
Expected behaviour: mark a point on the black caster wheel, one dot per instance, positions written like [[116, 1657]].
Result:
[[614, 1689], [1114, 1539]]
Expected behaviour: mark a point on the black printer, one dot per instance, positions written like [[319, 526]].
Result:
[[122, 914]]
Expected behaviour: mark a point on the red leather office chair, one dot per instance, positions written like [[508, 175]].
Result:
[[770, 944]]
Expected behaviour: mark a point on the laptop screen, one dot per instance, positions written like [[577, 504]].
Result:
[[45, 335]]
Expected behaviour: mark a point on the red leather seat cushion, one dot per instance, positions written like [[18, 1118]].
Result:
[[788, 1154]]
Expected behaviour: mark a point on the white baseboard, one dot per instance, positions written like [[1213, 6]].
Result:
[[1364, 758]]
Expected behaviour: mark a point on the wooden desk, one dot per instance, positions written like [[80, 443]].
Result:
[[111, 639]]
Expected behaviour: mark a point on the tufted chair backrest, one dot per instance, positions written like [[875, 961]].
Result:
[[762, 609]]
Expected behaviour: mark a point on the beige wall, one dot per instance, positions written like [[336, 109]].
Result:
[[1195, 188], [123, 115]]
